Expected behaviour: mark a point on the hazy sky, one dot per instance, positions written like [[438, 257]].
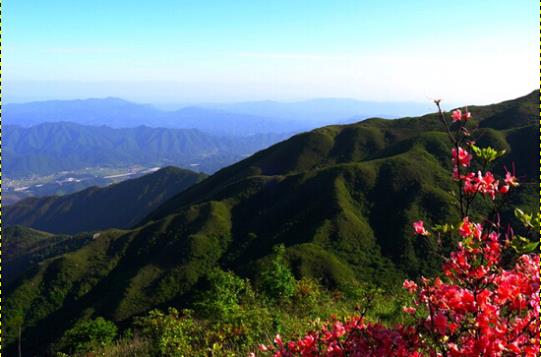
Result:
[[164, 51]]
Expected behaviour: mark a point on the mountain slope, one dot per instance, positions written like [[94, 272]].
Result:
[[341, 199], [372, 140], [116, 206], [55, 147], [25, 247]]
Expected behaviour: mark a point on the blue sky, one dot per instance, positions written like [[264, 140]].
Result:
[[166, 51]]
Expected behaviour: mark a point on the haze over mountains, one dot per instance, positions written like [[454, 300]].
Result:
[[238, 119], [340, 198], [326, 111], [118, 113]]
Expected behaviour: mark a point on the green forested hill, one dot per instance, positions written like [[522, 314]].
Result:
[[116, 206], [340, 198], [24, 247], [64, 146]]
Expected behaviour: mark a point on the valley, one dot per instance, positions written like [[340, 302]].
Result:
[[65, 182]]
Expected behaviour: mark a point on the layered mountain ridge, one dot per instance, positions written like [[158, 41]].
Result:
[[63, 146]]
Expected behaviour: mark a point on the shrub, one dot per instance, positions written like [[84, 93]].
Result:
[[88, 336], [307, 294], [276, 279], [222, 296], [172, 334]]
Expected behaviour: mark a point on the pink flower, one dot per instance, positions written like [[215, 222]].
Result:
[[410, 286], [487, 184], [510, 179], [409, 310], [278, 340], [339, 329], [440, 323], [457, 115], [463, 158], [469, 229], [419, 228]]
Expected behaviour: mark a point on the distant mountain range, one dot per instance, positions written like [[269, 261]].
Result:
[[119, 205], [237, 119], [340, 198], [118, 113], [53, 147]]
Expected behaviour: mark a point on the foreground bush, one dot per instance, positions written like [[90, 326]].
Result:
[[87, 336]]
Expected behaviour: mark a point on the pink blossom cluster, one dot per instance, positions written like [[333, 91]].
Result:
[[485, 184], [461, 157], [354, 337], [482, 309]]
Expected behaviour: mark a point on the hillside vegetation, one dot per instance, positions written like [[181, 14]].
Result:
[[64, 146], [24, 247], [340, 199]]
